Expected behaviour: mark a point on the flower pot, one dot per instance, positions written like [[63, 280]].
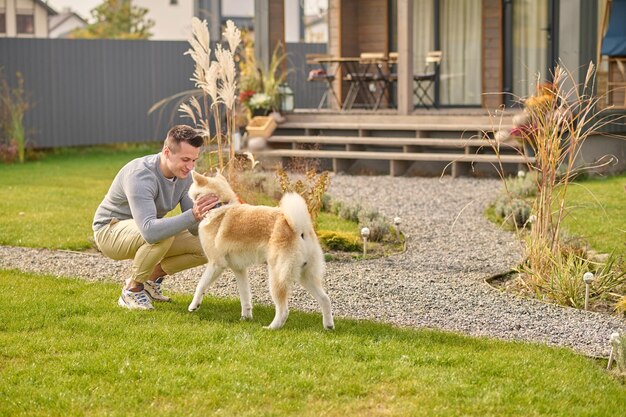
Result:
[[260, 112]]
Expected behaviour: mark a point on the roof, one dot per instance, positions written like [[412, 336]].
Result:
[[58, 19], [45, 5]]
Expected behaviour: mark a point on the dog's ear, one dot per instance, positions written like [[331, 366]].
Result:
[[198, 178]]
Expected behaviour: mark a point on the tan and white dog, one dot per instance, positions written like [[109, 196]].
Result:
[[237, 236]]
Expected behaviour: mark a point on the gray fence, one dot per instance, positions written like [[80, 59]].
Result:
[[87, 92]]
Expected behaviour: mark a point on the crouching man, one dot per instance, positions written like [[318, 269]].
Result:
[[130, 222]]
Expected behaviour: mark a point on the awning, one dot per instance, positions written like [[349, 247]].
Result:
[[614, 42]]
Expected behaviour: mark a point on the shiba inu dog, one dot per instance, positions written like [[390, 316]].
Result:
[[236, 236]]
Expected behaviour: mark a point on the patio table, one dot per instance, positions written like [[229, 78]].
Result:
[[359, 76]]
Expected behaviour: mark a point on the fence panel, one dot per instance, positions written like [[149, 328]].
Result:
[[307, 94], [89, 92]]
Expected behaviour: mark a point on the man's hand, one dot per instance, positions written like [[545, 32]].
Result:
[[202, 205]]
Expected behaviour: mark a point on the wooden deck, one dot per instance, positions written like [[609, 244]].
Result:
[[397, 145]]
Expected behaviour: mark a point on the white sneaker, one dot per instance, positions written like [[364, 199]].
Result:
[[135, 300], [153, 289]]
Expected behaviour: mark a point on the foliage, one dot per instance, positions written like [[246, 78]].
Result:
[[513, 203], [259, 85], [380, 229], [565, 285], [116, 19], [556, 123], [15, 103], [515, 211], [311, 187], [341, 241], [81, 355]]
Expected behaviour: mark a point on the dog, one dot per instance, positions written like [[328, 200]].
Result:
[[235, 235]]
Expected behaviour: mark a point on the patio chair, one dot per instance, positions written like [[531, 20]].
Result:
[[424, 81], [322, 74], [366, 80]]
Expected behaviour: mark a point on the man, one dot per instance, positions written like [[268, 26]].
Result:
[[130, 222]]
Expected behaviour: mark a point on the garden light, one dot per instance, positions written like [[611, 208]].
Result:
[[614, 348], [588, 279], [365, 233], [396, 223]]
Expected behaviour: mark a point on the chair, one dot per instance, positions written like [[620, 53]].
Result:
[[364, 80], [423, 82], [322, 75], [617, 82]]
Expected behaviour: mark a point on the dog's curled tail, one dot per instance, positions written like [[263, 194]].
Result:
[[296, 212]]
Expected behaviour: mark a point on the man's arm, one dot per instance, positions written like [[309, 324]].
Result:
[[141, 195]]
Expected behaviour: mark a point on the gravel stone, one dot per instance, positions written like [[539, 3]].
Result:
[[438, 283]]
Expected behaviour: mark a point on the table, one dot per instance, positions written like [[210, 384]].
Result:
[[361, 73]]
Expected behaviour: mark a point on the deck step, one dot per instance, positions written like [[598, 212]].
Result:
[[389, 141], [398, 156], [399, 162], [431, 127]]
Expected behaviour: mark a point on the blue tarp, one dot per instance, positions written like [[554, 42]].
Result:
[[614, 42]]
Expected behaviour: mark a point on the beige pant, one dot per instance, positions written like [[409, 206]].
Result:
[[122, 240]]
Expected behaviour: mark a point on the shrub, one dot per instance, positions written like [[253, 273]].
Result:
[[14, 103], [515, 211], [340, 241]]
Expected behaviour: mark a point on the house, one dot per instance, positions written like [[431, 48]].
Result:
[[63, 23], [24, 18], [172, 18], [422, 73]]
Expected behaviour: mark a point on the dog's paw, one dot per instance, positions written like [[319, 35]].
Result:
[[332, 327], [246, 318], [270, 327], [193, 308]]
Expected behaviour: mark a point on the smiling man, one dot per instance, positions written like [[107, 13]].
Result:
[[130, 222]]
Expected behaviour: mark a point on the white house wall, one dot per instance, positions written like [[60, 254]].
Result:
[[172, 21], [11, 8]]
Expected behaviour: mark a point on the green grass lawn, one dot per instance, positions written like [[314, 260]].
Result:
[[598, 212], [50, 203], [66, 349]]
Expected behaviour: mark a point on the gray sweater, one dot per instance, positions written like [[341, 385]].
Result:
[[141, 192]]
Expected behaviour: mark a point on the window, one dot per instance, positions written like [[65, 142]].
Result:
[[173, 2], [25, 23], [3, 22]]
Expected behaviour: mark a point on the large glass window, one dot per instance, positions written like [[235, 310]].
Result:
[[3, 22], [461, 66], [25, 24], [458, 35], [530, 45]]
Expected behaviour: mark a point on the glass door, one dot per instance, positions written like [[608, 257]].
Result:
[[454, 27], [530, 28]]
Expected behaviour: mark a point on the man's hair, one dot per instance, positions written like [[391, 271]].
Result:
[[183, 133]]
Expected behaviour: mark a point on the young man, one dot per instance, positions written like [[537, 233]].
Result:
[[130, 222]]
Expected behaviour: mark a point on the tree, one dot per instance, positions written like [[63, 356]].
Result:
[[116, 19]]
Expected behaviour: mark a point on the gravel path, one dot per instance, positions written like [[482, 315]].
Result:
[[437, 283]]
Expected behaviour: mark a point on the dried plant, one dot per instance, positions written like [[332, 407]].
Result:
[[311, 187], [217, 80], [557, 121]]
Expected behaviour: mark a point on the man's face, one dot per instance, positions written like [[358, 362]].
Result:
[[181, 162]]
